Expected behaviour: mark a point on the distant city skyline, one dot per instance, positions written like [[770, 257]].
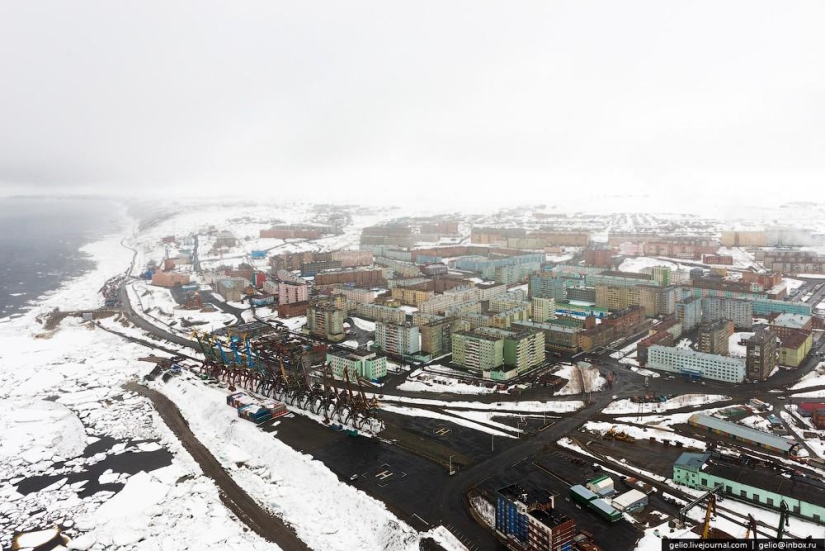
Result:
[[470, 105]]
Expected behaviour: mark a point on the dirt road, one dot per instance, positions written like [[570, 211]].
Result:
[[259, 520]]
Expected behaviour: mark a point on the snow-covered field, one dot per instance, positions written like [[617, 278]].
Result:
[[303, 491], [602, 427], [84, 367], [686, 400], [639, 263]]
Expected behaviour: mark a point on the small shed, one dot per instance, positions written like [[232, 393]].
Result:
[[630, 501]]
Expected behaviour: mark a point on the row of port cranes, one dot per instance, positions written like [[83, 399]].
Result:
[[287, 369]]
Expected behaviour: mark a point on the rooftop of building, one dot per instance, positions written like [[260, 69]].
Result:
[[549, 326], [549, 517], [630, 275], [740, 431], [794, 338], [626, 311], [761, 336], [474, 334], [668, 323], [528, 496], [688, 300], [488, 285], [794, 321], [349, 354], [692, 461], [778, 479], [712, 326], [697, 354]]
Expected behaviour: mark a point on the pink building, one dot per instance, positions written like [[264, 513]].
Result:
[[632, 249], [290, 293]]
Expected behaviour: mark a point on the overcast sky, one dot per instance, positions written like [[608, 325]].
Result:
[[473, 101]]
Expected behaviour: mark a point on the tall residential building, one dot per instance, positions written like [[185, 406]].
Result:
[[436, 335], [477, 352], [661, 275], [290, 293], [544, 309], [740, 312], [325, 320], [379, 312], [553, 285], [689, 312], [713, 337], [617, 297], [397, 339], [658, 301], [761, 352]]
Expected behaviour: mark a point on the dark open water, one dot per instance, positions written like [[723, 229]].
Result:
[[39, 242]]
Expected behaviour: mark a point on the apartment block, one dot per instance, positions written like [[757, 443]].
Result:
[[559, 334], [740, 312], [761, 354], [325, 320], [411, 296], [544, 309], [477, 352], [713, 337], [397, 339], [658, 301], [356, 295], [290, 293], [553, 285], [786, 324], [689, 312], [744, 239], [599, 257], [618, 279], [486, 291], [617, 297], [378, 312], [352, 259], [436, 336], [365, 277]]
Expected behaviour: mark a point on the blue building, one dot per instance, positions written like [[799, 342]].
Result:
[[513, 505]]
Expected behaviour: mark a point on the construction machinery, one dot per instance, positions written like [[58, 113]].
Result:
[[783, 520], [710, 513], [751, 527]]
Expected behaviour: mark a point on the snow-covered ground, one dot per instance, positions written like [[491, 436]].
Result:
[[734, 348], [639, 433], [284, 479], [364, 325], [83, 367], [436, 383], [792, 284], [640, 263], [524, 407], [80, 368], [685, 400], [815, 378]]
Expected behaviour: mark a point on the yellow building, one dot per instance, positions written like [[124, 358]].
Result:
[[743, 239], [412, 297], [794, 348], [616, 298]]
